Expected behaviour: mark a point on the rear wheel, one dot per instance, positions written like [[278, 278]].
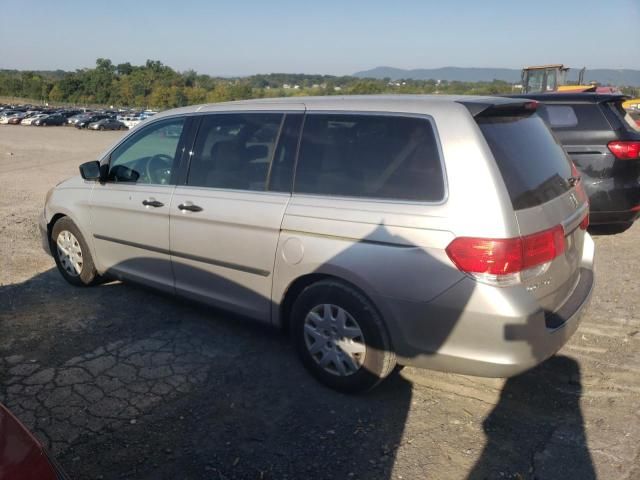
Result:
[[72, 254], [340, 337]]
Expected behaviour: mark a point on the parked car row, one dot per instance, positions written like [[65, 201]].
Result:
[[28, 115], [35, 116]]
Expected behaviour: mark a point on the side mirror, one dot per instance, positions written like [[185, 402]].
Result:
[[90, 170]]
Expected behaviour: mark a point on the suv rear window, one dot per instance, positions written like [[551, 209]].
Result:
[[533, 165], [374, 156]]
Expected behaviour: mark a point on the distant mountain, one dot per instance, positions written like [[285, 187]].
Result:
[[624, 77]]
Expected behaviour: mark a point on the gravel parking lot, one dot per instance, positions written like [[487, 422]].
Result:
[[122, 382]]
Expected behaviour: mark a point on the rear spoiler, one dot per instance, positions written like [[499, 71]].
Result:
[[500, 107]]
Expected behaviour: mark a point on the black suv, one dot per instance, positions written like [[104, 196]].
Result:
[[604, 143]]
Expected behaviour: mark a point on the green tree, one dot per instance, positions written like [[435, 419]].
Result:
[[56, 94], [124, 68]]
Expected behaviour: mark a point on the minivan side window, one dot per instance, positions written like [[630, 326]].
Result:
[[281, 175], [234, 150], [148, 156], [374, 156]]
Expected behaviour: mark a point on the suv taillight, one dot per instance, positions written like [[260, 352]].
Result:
[[625, 150], [501, 261]]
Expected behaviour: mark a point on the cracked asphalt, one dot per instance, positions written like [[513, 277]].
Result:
[[122, 382]]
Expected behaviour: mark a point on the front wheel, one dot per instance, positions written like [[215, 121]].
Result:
[[72, 254], [340, 337]]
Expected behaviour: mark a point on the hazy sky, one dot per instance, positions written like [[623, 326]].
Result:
[[322, 36]]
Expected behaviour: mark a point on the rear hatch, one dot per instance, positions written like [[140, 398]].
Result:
[[587, 129], [548, 200]]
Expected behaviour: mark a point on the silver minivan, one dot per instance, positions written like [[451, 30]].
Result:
[[439, 232]]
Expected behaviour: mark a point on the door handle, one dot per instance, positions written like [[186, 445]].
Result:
[[190, 207], [152, 202]]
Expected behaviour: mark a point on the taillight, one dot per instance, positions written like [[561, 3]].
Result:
[[625, 150], [574, 170], [502, 260], [584, 224]]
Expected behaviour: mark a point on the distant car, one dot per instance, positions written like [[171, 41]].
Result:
[[84, 123], [53, 119], [69, 113], [76, 118], [107, 124], [30, 120], [132, 121], [16, 118], [21, 454], [6, 115], [604, 143]]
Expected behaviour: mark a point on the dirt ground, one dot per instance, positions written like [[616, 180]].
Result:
[[122, 382]]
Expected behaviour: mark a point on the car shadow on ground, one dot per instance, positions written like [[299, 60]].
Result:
[[536, 430], [121, 382]]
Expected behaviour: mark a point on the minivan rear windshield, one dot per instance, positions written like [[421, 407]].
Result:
[[534, 167]]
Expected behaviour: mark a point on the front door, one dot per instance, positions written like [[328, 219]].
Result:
[[130, 211], [225, 221]]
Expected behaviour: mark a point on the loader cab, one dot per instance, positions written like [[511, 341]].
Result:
[[551, 78]]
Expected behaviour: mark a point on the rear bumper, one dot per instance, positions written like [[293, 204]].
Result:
[[608, 218], [481, 330], [611, 200]]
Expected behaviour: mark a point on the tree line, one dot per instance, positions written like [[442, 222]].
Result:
[[154, 85]]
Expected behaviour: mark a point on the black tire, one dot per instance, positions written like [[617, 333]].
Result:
[[379, 358], [101, 128], [88, 274], [609, 228]]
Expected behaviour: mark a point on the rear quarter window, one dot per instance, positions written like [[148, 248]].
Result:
[[574, 117], [626, 119], [533, 165], [372, 156]]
